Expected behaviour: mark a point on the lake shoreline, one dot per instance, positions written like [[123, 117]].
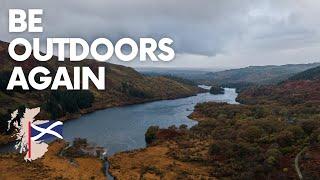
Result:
[[7, 139], [97, 107], [122, 128], [126, 164]]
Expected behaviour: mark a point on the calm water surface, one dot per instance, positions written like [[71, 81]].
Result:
[[122, 128]]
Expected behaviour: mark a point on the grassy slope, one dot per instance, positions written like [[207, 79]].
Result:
[[151, 88], [154, 88]]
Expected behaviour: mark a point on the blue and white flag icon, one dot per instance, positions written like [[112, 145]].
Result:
[[46, 130]]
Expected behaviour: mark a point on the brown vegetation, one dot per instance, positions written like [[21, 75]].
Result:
[[124, 86], [258, 139], [51, 166]]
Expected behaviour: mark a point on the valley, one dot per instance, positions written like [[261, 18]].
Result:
[[124, 86], [258, 139]]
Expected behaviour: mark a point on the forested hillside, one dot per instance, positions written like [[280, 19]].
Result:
[[124, 86], [256, 74], [311, 74], [258, 139]]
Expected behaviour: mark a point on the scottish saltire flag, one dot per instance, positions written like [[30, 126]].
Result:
[[46, 130]]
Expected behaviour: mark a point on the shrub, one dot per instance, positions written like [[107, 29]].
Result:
[[273, 152], [214, 149], [130, 90], [310, 125], [183, 127], [285, 138], [258, 112], [315, 136], [297, 131], [151, 134], [216, 90], [221, 147], [252, 133]]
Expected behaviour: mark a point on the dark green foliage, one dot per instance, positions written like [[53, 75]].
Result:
[[315, 136], [258, 74], [181, 80], [61, 102], [4, 80], [215, 149], [311, 74], [133, 91], [272, 157], [4, 123], [183, 127], [258, 112], [310, 125], [151, 134], [216, 90], [252, 133], [297, 132], [239, 86], [284, 138], [225, 147]]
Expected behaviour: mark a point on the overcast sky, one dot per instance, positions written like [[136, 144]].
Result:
[[206, 33]]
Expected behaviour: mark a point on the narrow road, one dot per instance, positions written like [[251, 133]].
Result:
[[296, 162]]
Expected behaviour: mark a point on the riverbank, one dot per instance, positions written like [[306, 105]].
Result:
[[168, 157], [71, 126], [100, 105], [122, 128], [159, 159], [258, 139], [124, 86]]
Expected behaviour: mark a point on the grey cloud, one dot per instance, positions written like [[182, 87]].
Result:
[[206, 28]]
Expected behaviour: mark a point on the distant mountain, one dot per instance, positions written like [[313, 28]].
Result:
[[300, 88], [185, 73], [310, 74], [257, 74]]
